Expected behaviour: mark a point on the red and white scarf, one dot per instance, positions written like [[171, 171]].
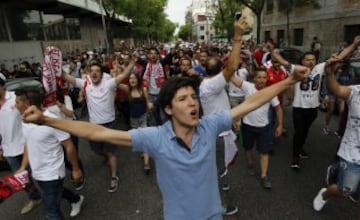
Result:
[[157, 70], [52, 70]]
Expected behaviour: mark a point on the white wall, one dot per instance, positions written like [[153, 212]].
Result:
[[17, 52]]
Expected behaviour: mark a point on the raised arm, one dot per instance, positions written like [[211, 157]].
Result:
[[68, 78], [234, 59], [81, 129], [264, 95], [332, 84], [237, 81], [124, 73], [344, 53]]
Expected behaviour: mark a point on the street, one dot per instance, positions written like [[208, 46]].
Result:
[[138, 196]]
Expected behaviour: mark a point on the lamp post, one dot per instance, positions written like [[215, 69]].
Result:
[[104, 27]]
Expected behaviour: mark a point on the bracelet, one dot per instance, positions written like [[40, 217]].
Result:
[[236, 40]]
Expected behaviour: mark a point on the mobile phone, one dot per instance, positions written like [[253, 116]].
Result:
[[238, 15]]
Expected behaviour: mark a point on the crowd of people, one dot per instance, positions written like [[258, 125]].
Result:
[[187, 110]]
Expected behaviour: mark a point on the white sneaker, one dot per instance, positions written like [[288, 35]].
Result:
[[76, 207], [319, 201], [113, 184], [30, 206]]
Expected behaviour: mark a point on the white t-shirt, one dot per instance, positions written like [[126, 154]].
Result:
[[306, 92], [213, 95], [46, 156], [11, 127], [54, 109], [100, 99], [350, 143], [260, 116], [235, 91]]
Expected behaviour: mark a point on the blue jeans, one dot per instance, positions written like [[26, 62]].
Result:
[[157, 112], [349, 176], [51, 192], [14, 163]]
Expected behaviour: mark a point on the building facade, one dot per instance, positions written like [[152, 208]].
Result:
[[203, 15], [333, 22], [28, 26]]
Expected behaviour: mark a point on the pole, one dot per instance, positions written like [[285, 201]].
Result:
[[104, 27]]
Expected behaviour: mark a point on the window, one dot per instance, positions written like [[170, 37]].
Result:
[[73, 26], [283, 3], [3, 31], [269, 6], [280, 37], [267, 35], [351, 31], [202, 28], [298, 36]]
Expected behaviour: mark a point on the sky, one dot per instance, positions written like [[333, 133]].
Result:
[[176, 10]]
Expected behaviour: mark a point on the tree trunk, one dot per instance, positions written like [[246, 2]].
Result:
[[288, 28], [110, 37], [258, 28]]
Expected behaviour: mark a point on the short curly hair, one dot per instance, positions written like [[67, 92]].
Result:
[[170, 88]]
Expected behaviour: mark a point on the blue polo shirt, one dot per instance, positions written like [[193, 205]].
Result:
[[187, 179]]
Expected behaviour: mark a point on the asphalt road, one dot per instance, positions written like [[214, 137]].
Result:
[[138, 197]]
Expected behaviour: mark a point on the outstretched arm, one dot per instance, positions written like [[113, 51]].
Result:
[[264, 95], [234, 59], [81, 129]]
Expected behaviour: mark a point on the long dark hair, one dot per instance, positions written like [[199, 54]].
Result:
[[138, 86]]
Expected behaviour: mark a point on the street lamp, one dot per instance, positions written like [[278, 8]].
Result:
[[104, 26]]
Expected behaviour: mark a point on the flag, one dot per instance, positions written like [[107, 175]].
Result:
[[230, 148]]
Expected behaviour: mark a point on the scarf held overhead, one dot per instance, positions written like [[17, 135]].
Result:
[[52, 70]]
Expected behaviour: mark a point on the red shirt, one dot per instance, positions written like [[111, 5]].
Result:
[[275, 77], [258, 55]]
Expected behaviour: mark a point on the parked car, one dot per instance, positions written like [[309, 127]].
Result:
[[293, 55], [20, 83]]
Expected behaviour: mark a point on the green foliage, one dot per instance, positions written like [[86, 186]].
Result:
[[148, 17], [185, 32], [255, 5], [224, 18]]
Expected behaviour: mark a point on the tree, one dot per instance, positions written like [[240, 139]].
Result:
[[224, 18], [111, 8], [185, 32], [149, 19], [255, 6], [287, 6]]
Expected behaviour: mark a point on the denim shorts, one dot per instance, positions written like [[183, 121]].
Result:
[[349, 176], [139, 122]]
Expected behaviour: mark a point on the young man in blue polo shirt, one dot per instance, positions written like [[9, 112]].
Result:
[[183, 148]]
